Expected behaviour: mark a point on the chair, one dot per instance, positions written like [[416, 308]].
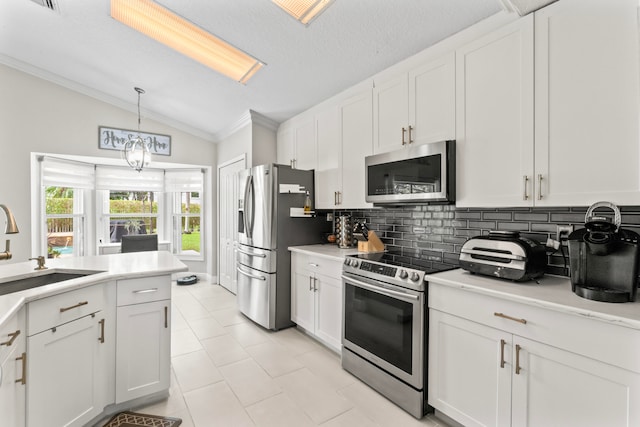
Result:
[[139, 243]]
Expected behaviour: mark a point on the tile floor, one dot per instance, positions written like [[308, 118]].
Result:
[[227, 371]]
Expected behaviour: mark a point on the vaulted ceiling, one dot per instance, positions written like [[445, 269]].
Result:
[[82, 47]]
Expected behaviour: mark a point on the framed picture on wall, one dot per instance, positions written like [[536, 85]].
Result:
[[115, 139]]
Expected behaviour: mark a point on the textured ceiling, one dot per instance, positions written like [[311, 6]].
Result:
[[350, 41]]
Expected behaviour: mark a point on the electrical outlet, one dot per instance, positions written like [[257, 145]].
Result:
[[563, 231]]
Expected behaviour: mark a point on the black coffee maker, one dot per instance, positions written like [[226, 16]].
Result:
[[604, 258]]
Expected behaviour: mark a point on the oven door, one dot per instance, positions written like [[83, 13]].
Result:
[[385, 325]]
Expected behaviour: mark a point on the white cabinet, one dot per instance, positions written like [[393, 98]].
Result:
[[143, 337], [344, 140], [316, 297], [71, 355], [494, 119], [587, 103], [13, 371], [415, 107], [296, 144], [494, 362], [556, 65]]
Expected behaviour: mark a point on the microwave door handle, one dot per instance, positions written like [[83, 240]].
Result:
[[383, 291]]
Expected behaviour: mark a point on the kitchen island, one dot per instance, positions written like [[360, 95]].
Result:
[[104, 336]]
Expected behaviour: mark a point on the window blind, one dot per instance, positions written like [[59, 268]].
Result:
[[127, 179], [184, 180], [67, 173]]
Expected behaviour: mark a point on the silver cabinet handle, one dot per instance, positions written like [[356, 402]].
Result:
[[251, 253], [310, 281], [515, 319], [12, 337], [315, 284], [403, 132], [410, 140], [539, 186], [518, 348], [244, 273], [101, 339], [526, 184], [502, 344], [23, 379], [145, 291], [80, 304]]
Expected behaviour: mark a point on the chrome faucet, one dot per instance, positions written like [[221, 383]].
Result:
[[11, 228]]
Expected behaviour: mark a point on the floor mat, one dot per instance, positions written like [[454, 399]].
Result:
[[133, 419]]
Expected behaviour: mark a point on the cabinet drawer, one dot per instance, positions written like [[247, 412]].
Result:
[[58, 309], [315, 264], [598, 339], [143, 289], [12, 333]]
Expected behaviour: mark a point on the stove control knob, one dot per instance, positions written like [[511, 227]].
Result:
[[355, 263], [414, 277], [403, 274]]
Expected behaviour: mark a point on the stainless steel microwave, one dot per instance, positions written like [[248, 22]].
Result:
[[415, 174]]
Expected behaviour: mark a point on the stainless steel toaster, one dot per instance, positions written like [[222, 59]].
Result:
[[504, 254]]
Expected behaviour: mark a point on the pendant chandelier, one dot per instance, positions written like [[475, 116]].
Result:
[[136, 151]]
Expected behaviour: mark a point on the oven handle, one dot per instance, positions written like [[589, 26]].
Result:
[[380, 290]]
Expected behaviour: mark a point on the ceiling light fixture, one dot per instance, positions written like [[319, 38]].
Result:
[[304, 11], [136, 151], [164, 26]]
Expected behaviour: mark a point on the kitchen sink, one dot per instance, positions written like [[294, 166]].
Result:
[[41, 280]]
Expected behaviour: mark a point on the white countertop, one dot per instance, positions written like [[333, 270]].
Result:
[[327, 250], [110, 267], [551, 292]]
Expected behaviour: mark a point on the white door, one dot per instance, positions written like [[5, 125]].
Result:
[[65, 374], [558, 388], [587, 90], [468, 380], [305, 145], [432, 100], [328, 175], [494, 118], [328, 310], [12, 390], [390, 114], [228, 196], [357, 143], [143, 356]]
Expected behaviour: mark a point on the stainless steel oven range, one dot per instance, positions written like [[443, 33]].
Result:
[[384, 331]]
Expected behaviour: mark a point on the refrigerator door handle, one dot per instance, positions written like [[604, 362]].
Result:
[[250, 275], [251, 253], [248, 210]]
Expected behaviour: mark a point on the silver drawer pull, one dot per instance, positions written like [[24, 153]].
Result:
[[515, 319], [80, 304], [145, 291], [313, 264]]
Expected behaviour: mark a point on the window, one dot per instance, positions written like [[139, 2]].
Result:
[[66, 187], [130, 212], [185, 187]]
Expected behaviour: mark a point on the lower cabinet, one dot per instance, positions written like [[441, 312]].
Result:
[[67, 373], [316, 297], [483, 375], [143, 337], [12, 371]]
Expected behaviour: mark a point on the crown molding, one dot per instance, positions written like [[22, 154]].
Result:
[[250, 117]]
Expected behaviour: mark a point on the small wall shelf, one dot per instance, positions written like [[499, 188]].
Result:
[[300, 213]]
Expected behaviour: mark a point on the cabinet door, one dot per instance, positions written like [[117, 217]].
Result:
[[328, 178], [356, 145], [285, 147], [302, 307], [559, 388], [12, 371], [66, 374], [390, 114], [432, 95], [143, 356], [494, 118], [305, 146], [467, 380], [328, 309], [587, 102]]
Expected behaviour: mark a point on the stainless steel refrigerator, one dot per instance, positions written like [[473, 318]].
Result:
[[267, 226]]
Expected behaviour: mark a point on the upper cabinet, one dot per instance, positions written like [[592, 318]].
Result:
[[587, 104], [415, 107], [494, 145], [296, 145], [344, 140], [583, 145]]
